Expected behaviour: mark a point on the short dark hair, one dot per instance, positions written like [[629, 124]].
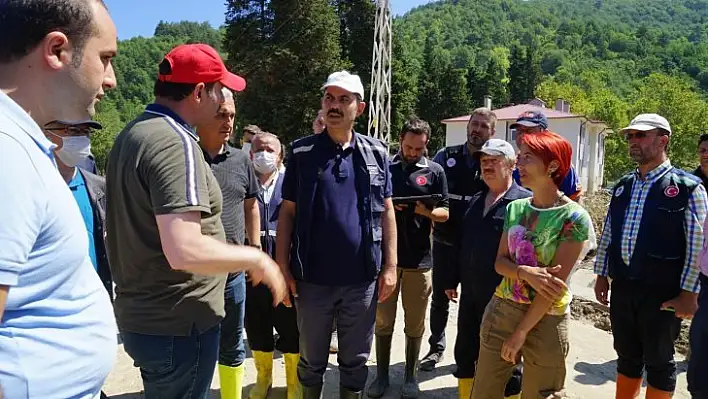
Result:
[[175, 91], [415, 125], [25, 23], [702, 138]]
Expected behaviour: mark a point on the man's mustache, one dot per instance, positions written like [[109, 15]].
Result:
[[334, 112]]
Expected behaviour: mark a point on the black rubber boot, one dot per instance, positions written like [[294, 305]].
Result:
[[378, 387], [313, 392], [410, 383], [344, 393]]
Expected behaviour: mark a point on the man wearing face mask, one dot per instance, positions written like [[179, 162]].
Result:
[[72, 147], [239, 186], [412, 174], [261, 317]]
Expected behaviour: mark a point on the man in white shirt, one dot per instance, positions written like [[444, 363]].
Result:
[[57, 338]]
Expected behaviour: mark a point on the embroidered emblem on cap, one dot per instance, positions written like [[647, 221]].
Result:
[[671, 191], [421, 180], [619, 191], [451, 162]]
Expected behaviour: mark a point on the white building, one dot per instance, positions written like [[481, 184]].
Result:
[[587, 136]]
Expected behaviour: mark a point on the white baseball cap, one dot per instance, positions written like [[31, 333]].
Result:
[[346, 81], [645, 122], [497, 147]]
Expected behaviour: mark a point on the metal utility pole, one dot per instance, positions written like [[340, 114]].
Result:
[[380, 97]]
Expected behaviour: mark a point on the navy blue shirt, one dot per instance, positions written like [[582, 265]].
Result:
[[337, 255], [424, 177]]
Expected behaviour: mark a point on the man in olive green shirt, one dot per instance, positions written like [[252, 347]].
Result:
[[164, 234]]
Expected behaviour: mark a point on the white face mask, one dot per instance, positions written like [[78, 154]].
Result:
[[74, 149], [265, 162], [246, 147]]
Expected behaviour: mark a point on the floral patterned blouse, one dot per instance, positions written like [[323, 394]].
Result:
[[533, 238]]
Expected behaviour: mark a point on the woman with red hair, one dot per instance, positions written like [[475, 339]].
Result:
[[528, 314]]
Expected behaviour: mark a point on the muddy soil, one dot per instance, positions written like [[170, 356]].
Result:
[[599, 316]]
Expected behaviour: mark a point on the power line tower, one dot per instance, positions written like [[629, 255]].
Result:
[[380, 96]]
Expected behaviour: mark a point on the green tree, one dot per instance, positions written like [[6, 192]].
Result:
[[517, 74], [356, 38], [286, 65], [191, 32], [102, 140], [443, 90]]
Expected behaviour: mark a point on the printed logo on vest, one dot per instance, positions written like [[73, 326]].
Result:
[[451, 162], [619, 191], [421, 180], [671, 191]]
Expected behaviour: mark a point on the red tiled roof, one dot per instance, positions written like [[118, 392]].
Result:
[[513, 112]]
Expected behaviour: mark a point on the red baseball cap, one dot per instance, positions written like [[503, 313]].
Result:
[[200, 63]]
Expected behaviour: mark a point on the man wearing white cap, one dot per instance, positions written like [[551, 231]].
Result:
[[478, 242], [336, 228], [649, 248]]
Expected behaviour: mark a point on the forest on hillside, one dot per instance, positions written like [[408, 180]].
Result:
[[611, 59]]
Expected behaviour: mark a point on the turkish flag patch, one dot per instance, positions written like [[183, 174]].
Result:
[[421, 180], [671, 191]]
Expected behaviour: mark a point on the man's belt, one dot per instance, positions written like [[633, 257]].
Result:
[[269, 232], [460, 197]]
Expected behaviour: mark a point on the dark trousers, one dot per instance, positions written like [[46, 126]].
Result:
[[443, 260], [174, 367], [473, 302], [354, 307], [644, 335], [261, 317], [698, 365], [232, 350]]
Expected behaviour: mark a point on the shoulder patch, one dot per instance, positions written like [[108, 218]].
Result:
[[304, 148]]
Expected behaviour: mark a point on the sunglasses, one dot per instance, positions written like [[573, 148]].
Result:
[[71, 130], [638, 135]]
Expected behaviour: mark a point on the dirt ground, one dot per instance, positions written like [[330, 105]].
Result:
[[590, 364]]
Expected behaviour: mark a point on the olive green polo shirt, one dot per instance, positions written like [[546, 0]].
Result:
[[155, 168]]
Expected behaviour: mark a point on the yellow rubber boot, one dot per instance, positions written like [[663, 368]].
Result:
[[230, 381], [517, 396], [293, 383], [264, 375], [464, 387]]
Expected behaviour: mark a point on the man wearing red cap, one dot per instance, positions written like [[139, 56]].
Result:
[[165, 237]]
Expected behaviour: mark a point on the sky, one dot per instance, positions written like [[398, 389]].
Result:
[[139, 17]]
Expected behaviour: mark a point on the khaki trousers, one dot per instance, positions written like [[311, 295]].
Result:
[[544, 352], [415, 287]]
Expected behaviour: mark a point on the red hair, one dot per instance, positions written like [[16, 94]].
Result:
[[550, 147]]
